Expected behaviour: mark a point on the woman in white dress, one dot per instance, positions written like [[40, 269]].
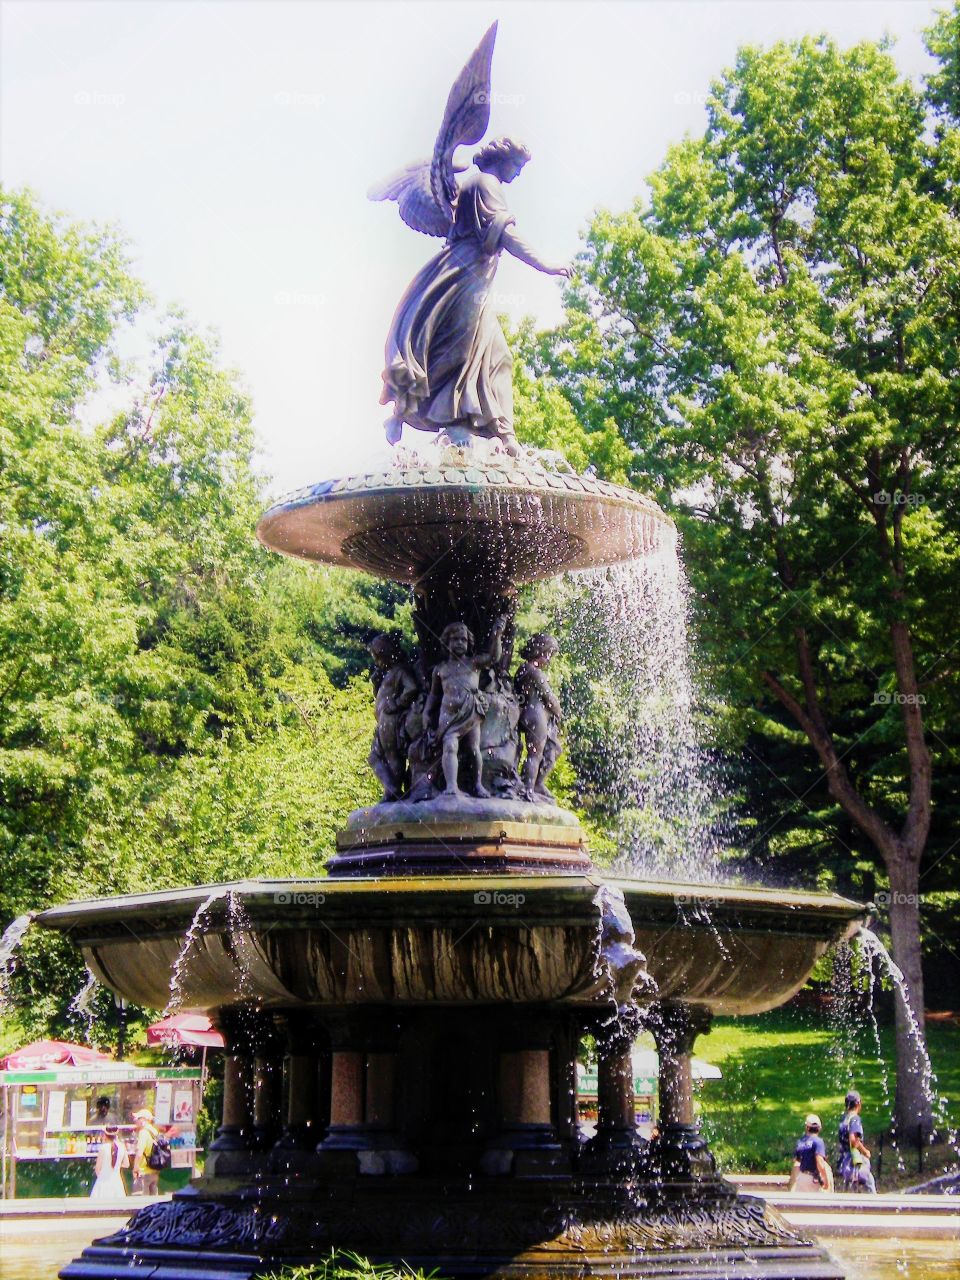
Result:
[[112, 1158]]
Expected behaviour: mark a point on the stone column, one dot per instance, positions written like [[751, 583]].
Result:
[[617, 1149], [232, 1150], [267, 1084], [305, 1118], [362, 1136], [527, 1143], [679, 1153]]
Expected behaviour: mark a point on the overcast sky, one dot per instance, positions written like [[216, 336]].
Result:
[[234, 142]]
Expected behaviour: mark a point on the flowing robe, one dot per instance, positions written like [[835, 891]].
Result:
[[447, 361]]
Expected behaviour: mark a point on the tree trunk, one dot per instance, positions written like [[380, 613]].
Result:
[[914, 1104]]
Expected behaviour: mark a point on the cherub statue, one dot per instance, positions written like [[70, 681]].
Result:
[[448, 366], [455, 704], [397, 688], [539, 715]]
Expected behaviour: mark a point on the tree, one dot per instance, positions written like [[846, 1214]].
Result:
[[776, 334], [165, 712]]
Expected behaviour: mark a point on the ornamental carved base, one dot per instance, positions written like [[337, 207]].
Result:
[[567, 1232]]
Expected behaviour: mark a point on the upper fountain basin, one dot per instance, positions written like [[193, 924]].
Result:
[[453, 941], [507, 519]]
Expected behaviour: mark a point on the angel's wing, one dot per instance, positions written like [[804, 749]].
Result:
[[465, 119], [426, 190], [410, 187]]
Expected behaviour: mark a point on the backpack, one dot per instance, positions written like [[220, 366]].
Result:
[[159, 1157]]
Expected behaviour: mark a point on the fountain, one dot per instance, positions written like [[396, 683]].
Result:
[[402, 1032]]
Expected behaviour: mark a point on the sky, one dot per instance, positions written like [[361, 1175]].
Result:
[[233, 142]]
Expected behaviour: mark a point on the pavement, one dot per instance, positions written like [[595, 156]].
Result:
[[842, 1213]]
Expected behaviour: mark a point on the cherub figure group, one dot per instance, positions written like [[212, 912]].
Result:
[[424, 735]]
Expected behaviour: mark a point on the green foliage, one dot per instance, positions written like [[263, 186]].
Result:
[[776, 334], [544, 419], [166, 712], [341, 1264], [779, 1066]]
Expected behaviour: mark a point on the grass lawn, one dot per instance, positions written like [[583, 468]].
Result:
[[780, 1065]]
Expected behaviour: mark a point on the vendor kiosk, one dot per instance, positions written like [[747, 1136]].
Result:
[[644, 1094], [59, 1114]]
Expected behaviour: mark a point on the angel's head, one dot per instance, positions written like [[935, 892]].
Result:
[[502, 157]]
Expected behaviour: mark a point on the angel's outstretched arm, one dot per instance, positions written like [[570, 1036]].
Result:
[[518, 248]]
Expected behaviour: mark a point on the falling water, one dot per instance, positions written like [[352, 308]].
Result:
[[9, 944], [80, 1005], [634, 697], [190, 940], [874, 952]]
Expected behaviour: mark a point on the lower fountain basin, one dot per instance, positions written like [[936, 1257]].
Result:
[[450, 940]]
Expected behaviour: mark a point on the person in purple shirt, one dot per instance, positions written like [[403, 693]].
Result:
[[811, 1172], [854, 1153]]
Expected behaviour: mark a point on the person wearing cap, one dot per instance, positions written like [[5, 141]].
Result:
[[112, 1159], [811, 1172], [854, 1153], [146, 1181]]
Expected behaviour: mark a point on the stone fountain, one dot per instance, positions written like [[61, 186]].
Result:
[[402, 1032]]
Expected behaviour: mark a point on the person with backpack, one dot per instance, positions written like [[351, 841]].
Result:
[[811, 1172], [854, 1153], [152, 1155]]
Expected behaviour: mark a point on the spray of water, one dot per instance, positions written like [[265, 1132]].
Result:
[[632, 691], [878, 959], [80, 1005], [9, 945], [190, 942]]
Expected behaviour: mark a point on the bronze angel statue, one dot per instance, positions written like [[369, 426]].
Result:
[[448, 366]]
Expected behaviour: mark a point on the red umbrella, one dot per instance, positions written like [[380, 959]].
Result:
[[185, 1029], [52, 1053]]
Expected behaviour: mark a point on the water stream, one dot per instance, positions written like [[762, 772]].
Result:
[[10, 942], [632, 697]]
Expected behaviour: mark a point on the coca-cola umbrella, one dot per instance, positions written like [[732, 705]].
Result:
[[193, 1030], [52, 1053]]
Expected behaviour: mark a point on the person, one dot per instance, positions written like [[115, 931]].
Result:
[[146, 1181], [811, 1172], [854, 1167], [397, 688], [112, 1159], [539, 715], [457, 706]]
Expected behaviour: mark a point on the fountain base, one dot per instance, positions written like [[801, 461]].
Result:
[[460, 834], [543, 1228]]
